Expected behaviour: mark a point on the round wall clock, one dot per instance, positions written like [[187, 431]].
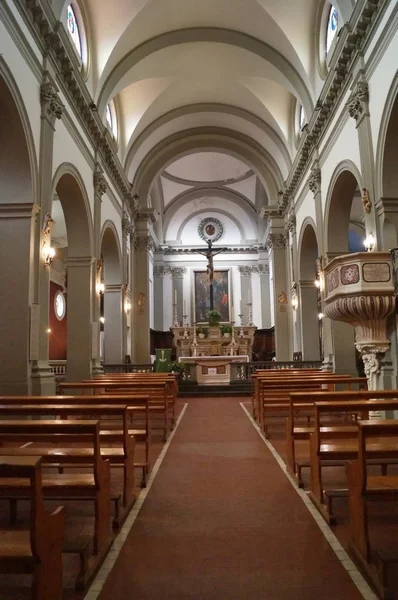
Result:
[[210, 229], [59, 305]]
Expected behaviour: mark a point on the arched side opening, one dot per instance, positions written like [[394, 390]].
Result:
[[309, 295], [78, 256], [19, 223], [112, 300]]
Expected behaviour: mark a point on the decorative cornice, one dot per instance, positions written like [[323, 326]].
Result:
[[100, 185], [276, 240], [52, 106], [358, 101], [178, 272], [314, 180], [147, 214], [52, 40]]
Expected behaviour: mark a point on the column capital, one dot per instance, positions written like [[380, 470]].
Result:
[[178, 272], [276, 240], [144, 242], [290, 226], [147, 214], [245, 270], [52, 107], [100, 185], [357, 104], [263, 269], [128, 228]]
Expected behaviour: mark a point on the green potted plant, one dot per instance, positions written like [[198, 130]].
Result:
[[202, 332], [180, 368], [226, 330], [214, 317]]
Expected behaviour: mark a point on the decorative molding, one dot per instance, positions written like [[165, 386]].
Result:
[[366, 201], [276, 240], [314, 180], [290, 226], [358, 101], [100, 185], [210, 228], [127, 227], [178, 272], [52, 107]]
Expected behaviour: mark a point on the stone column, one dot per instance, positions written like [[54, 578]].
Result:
[[143, 256], [114, 321], [19, 319], [276, 244], [263, 270], [127, 234], [100, 188], [308, 303], [177, 274], [80, 292], [246, 291], [291, 237], [158, 290], [43, 381]]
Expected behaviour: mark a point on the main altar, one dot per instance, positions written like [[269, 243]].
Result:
[[210, 357]]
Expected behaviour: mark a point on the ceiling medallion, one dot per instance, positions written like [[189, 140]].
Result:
[[210, 229]]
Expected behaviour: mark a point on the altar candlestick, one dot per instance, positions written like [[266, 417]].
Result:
[[175, 296]]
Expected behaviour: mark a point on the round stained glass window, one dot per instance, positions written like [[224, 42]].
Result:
[[73, 29], [331, 29]]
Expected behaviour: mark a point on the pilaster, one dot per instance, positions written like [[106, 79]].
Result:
[[177, 274], [100, 188], [276, 244]]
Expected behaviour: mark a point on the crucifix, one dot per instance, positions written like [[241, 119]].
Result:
[[210, 253]]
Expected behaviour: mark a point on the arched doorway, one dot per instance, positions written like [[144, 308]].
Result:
[[19, 226], [345, 233], [112, 301], [309, 295], [78, 256]]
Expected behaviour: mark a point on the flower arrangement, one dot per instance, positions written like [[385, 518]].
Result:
[[226, 328], [202, 330]]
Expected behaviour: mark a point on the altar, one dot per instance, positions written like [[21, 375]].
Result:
[[213, 370]]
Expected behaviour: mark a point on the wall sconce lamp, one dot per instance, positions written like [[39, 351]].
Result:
[[320, 316], [102, 320], [48, 254], [369, 242], [317, 283], [294, 302], [127, 307], [48, 330], [100, 288]]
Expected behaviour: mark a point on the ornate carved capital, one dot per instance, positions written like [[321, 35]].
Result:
[[100, 185], [127, 227], [276, 240], [144, 242], [160, 271], [178, 272], [314, 180], [263, 269], [52, 106], [246, 271], [358, 101]]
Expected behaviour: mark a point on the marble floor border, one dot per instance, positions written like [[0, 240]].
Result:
[[355, 575], [99, 581]]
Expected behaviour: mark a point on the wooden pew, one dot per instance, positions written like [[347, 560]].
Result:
[[156, 390], [137, 403], [275, 373], [94, 486], [275, 398], [302, 403], [336, 447], [37, 550], [77, 457], [376, 439]]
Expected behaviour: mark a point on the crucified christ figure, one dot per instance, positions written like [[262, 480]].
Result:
[[210, 254]]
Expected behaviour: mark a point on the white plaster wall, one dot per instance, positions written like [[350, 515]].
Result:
[[25, 31], [26, 82], [307, 209], [66, 151], [379, 87], [346, 147], [257, 300], [109, 213]]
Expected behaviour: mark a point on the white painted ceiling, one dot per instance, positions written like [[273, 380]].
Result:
[[231, 72]]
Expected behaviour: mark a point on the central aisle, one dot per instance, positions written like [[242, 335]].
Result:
[[222, 521]]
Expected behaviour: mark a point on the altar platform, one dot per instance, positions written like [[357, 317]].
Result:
[[213, 370]]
